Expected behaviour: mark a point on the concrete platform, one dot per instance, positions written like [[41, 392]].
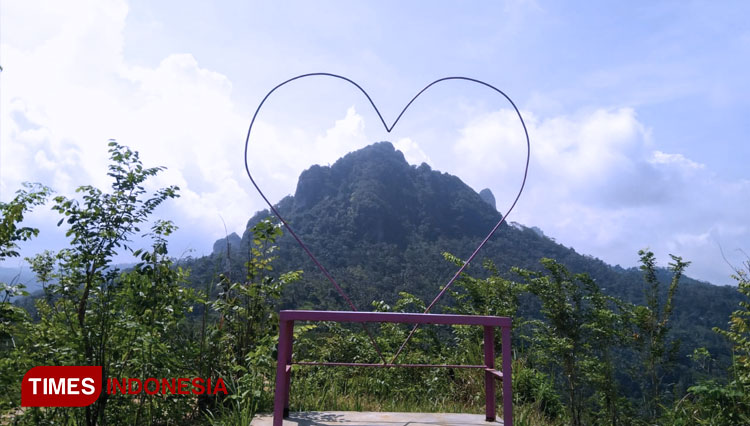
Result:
[[351, 418]]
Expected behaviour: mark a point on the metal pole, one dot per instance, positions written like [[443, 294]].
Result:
[[507, 379], [288, 369], [489, 379], [283, 370]]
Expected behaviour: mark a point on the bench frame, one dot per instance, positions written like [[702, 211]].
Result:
[[285, 363]]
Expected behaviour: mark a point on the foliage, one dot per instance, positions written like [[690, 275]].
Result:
[[574, 342], [384, 227], [132, 324], [13, 320], [711, 403], [243, 342], [493, 295], [739, 329], [652, 323], [12, 215], [533, 387], [715, 403]]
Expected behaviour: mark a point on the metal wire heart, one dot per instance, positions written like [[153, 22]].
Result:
[[388, 129]]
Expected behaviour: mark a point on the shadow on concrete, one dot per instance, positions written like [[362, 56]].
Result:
[[326, 419]]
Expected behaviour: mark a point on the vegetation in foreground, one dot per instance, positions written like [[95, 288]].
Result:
[[571, 361]]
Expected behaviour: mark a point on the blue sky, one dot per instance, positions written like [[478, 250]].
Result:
[[636, 110]]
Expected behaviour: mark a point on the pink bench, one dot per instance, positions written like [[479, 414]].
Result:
[[285, 363]]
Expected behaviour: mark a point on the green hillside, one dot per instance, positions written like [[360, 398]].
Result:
[[380, 226]]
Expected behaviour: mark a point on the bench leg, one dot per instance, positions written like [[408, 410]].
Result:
[[507, 379], [283, 373], [489, 379]]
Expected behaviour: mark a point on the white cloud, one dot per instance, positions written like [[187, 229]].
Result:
[[179, 114], [67, 89], [676, 159], [346, 135], [411, 150], [597, 184], [279, 152]]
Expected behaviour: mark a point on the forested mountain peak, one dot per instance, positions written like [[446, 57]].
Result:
[[230, 241], [380, 226], [488, 197], [374, 195]]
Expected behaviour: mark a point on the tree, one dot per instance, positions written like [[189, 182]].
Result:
[[712, 402], [576, 338], [739, 329], [247, 327], [78, 321], [652, 326], [12, 318], [11, 234]]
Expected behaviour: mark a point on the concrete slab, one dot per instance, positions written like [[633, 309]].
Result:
[[351, 418]]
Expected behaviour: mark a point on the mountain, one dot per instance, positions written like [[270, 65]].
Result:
[[226, 243], [20, 275], [488, 197], [373, 195], [380, 226]]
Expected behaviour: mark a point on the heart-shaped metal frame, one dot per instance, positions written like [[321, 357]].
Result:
[[388, 129]]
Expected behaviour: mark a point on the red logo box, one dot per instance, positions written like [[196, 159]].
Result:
[[56, 386]]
